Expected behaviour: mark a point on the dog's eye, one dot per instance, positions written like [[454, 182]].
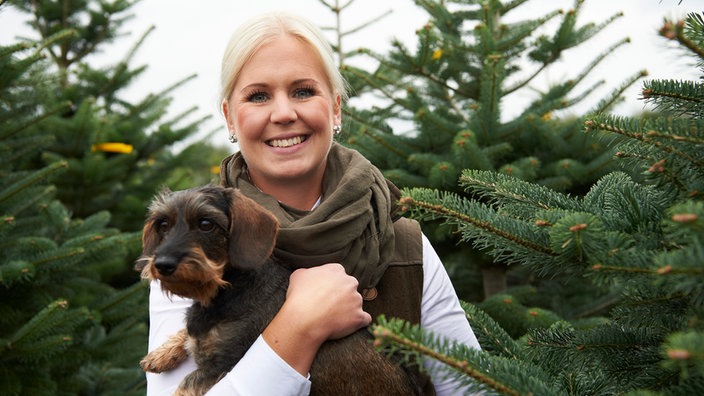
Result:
[[206, 225], [162, 226]]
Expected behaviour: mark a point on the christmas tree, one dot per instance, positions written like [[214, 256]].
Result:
[[452, 90], [118, 153], [635, 239], [79, 165], [63, 329]]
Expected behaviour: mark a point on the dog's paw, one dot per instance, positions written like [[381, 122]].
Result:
[[158, 363], [168, 356]]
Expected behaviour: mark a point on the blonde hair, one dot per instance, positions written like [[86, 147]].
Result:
[[262, 29]]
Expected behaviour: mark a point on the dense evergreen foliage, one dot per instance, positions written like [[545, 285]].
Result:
[[446, 106], [627, 316], [78, 165], [63, 329], [119, 153]]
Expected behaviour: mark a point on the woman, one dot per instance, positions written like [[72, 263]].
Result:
[[281, 97]]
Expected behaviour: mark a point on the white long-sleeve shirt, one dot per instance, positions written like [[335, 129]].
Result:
[[262, 372]]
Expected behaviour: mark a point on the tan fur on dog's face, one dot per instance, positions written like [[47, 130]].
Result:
[[185, 244], [190, 236]]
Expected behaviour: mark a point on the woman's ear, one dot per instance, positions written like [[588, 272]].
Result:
[[337, 110], [226, 113]]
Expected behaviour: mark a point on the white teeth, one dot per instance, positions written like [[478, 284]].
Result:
[[286, 142]]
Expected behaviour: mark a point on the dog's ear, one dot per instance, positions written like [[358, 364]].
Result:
[[149, 242], [149, 237], [253, 231], [149, 234]]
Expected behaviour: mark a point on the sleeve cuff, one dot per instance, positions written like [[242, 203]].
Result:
[[262, 372]]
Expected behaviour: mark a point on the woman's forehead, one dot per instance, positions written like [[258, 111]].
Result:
[[283, 58]]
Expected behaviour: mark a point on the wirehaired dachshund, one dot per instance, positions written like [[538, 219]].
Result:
[[214, 245]]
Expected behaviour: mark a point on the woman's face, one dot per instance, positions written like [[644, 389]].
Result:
[[282, 110]]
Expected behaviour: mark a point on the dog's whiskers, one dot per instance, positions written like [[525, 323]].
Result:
[[195, 269]]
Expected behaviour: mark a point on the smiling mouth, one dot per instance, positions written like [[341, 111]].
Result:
[[287, 142]]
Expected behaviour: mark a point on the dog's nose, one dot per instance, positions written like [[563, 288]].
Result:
[[165, 265]]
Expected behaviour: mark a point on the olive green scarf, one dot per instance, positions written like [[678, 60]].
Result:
[[353, 225]]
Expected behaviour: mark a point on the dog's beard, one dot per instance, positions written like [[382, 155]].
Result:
[[196, 276]]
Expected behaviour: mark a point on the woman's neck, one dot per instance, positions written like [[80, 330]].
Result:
[[298, 194]]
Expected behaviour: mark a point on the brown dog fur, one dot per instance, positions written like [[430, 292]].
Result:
[[213, 245]]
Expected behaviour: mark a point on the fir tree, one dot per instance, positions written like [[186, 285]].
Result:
[[452, 89], [63, 329], [118, 153], [79, 164], [636, 238]]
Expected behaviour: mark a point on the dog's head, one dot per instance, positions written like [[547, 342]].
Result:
[[190, 236]]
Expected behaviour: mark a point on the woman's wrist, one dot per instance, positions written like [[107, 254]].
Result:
[[295, 343]]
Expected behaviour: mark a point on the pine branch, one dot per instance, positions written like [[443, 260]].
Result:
[[609, 101], [684, 352], [113, 308], [43, 323], [42, 174], [379, 82], [676, 31], [664, 270], [491, 336], [646, 137], [367, 132], [463, 362], [384, 335], [675, 138], [443, 210], [506, 191], [680, 97], [22, 126], [608, 51]]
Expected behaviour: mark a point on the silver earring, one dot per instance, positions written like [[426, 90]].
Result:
[[233, 138], [336, 129]]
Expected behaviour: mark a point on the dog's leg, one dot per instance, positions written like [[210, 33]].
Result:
[[197, 383], [168, 356]]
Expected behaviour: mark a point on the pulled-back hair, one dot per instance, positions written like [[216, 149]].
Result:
[[262, 29]]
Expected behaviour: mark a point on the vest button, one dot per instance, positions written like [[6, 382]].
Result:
[[369, 294]]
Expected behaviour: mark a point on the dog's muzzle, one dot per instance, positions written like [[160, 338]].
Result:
[[165, 265]]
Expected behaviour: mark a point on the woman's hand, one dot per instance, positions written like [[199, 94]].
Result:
[[327, 299], [321, 303]]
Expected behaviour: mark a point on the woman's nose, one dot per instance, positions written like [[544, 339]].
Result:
[[283, 110]]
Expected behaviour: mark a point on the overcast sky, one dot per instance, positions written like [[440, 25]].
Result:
[[190, 37]]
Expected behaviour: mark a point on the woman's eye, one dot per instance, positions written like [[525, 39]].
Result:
[[303, 93], [257, 97], [206, 225]]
